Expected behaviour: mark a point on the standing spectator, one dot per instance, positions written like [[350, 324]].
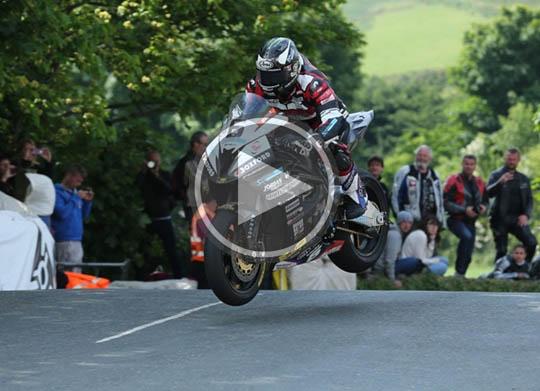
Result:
[[396, 234], [512, 266], [465, 199], [183, 180], [31, 160], [35, 160], [5, 174], [71, 207], [417, 188], [419, 251], [512, 207], [155, 185], [376, 167]]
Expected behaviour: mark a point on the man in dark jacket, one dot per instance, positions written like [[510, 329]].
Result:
[[183, 179], [512, 207], [465, 199], [155, 185]]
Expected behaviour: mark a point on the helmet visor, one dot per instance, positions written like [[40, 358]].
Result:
[[273, 78]]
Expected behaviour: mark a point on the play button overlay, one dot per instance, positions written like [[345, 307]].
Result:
[[272, 189], [277, 180]]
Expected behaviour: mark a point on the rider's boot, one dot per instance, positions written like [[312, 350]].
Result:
[[355, 200]]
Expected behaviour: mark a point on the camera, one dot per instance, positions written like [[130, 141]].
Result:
[[151, 164], [477, 209]]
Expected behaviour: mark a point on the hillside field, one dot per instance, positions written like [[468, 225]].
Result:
[[414, 35]]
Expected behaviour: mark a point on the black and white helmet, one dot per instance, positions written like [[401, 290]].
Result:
[[278, 66]]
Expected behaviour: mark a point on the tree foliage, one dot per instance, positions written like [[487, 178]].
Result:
[[500, 61]]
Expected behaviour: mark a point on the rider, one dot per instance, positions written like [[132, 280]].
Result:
[[291, 84]]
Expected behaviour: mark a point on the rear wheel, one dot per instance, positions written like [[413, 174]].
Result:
[[233, 280], [361, 250]]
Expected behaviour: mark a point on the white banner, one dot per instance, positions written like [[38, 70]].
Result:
[[26, 253]]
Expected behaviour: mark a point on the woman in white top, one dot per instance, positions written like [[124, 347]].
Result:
[[419, 251]]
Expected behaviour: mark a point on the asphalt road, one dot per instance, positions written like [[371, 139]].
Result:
[[179, 340]]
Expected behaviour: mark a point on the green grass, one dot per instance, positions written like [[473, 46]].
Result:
[[413, 35], [430, 282], [415, 38]]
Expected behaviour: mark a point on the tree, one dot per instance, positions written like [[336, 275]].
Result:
[[500, 61]]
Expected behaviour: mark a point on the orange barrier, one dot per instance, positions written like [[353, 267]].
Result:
[[85, 281]]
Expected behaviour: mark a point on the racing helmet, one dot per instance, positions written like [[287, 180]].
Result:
[[278, 66]]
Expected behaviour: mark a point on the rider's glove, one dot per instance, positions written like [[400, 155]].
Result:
[[332, 128]]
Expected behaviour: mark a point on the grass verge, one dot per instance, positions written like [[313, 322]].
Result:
[[430, 282]]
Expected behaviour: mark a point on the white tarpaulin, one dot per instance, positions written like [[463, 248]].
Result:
[[26, 252], [321, 274]]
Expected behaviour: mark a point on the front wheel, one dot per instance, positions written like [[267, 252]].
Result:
[[362, 249], [233, 280]]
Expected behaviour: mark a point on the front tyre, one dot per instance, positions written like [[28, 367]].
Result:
[[233, 280], [361, 250]]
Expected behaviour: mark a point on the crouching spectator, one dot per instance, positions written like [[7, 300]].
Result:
[[419, 251], [396, 234], [71, 208], [465, 199], [512, 266]]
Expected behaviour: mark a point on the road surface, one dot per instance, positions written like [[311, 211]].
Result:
[[187, 340]]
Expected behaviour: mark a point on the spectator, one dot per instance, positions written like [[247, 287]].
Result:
[[534, 269], [417, 188], [183, 180], [512, 207], [376, 167], [71, 208], [512, 266], [419, 250], [155, 185], [35, 160], [396, 234], [5, 174], [31, 160], [465, 199]]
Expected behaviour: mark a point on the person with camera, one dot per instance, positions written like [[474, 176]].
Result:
[[512, 207], [155, 186], [465, 199], [35, 160], [31, 160], [72, 206]]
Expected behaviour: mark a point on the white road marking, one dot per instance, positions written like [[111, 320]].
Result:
[[156, 322]]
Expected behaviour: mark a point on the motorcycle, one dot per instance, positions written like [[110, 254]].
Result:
[[278, 203]]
